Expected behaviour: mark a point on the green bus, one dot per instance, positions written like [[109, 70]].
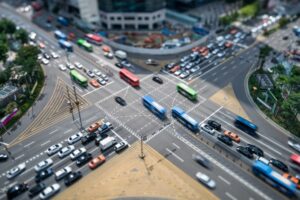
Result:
[[186, 91], [85, 44], [79, 78]]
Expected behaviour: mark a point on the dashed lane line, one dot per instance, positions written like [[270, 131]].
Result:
[[175, 155], [29, 144], [224, 180], [43, 144], [230, 196]]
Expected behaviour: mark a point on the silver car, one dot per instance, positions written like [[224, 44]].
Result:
[[294, 145], [16, 171], [54, 149], [66, 151], [207, 128], [60, 174], [50, 191], [74, 138], [78, 152], [206, 180], [43, 165]]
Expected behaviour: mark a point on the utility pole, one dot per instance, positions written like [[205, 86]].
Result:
[[142, 155], [77, 104], [70, 103]]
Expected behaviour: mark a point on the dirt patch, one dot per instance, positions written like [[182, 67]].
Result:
[[126, 175], [226, 98]]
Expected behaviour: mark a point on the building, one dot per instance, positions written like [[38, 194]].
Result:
[[131, 14], [7, 94]]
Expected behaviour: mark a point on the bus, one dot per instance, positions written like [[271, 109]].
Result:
[[185, 119], [266, 173], [245, 125], [65, 45], [93, 38], [187, 91], [84, 44], [78, 78], [60, 35], [154, 107], [129, 77]]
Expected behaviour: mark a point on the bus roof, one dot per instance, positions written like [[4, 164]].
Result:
[[65, 43], [187, 88], [246, 122], [190, 119], [93, 37], [178, 110], [58, 32], [84, 42], [129, 74], [79, 76], [154, 103]]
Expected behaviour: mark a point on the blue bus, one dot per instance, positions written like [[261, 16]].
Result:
[[266, 173], [154, 107], [65, 45], [60, 35], [185, 119], [245, 125]]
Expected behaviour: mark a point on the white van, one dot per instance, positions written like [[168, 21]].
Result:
[[107, 142], [32, 36], [122, 55]]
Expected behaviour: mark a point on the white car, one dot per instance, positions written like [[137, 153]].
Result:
[[78, 152], [178, 72], [220, 55], [40, 57], [103, 76], [78, 65], [43, 165], [16, 171], [184, 74], [32, 35], [215, 51], [194, 69], [74, 138], [109, 55], [45, 61], [207, 129], [70, 66], [50, 191], [90, 74], [62, 67], [206, 180], [54, 55], [101, 81], [54, 149], [60, 174], [236, 40], [208, 56], [294, 145], [66, 151], [220, 38], [97, 72]]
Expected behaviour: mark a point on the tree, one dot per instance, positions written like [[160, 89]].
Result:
[[10, 107], [3, 52], [292, 104], [27, 57], [10, 27], [21, 35]]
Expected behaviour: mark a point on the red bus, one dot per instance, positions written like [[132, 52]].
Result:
[[93, 38], [129, 77]]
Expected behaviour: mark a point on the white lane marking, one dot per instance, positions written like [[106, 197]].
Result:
[[20, 156], [212, 114], [175, 155], [53, 131], [230, 196], [251, 198], [68, 131], [29, 144], [45, 143], [223, 179], [119, 137], [178, 147]]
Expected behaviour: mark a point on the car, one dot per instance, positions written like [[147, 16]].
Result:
[[105, 128], [78, 65], [206, 180], [285, 37], [233, 136], [170, 65], [94, 126], [54, 55], [220, 38], [214, 124], [103, 76], [120, 146], [201, 160], [279, 165], [3, 157], [43, 165], [228, 44], [255, 150], [101, 81], [175, 68], [83, 159], [35, 190], [62, 67], [238, 35], [97, 72], [78, 152], [94, 83], [208, 55], [41, 45], [157, 79], [227, 37], [88, 138], [119, 65], [45, 61], [214, 52], [16, 190], [99, 138], [16, 171], [220, 55], [245, 151], [120, 101], [263, 160], [109, 55], [293, 179], [194, 69], [177, 73], [295, 159], [184, 74], [60, 174], [50, 191], [225, 139], [46, 56], [72, 178], [54, 149], [294, 145], [97, 161], [32, 36], [236, 40], [40, 56], [70, 66], [90, 74], [66, 151], [207, 128], [185, 59], [74, 138], [151, 62], [42, 175]]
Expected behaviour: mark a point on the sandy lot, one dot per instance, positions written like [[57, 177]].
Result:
[[126, 175], [226, 97]]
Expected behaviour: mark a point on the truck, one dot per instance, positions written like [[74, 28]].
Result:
[[105, 127], [63, 21], [107, 142], [60, 35], [122, 55]]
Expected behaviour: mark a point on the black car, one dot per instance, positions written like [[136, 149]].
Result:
[[202, 161], [16, 190], [157, 79], [278, 164], [83, 159], [245, 151], [225, 139], [214, 124], [120, 101], [255, 150], [99, 138], [285, 37], [35, 190], [88, 138], [46, 56], [119, 65], [72, 178], [3, 157], [42, 175]]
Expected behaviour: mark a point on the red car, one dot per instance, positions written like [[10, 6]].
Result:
[[295, 158]]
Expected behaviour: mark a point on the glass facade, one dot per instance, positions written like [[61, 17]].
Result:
[[131, 5]]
